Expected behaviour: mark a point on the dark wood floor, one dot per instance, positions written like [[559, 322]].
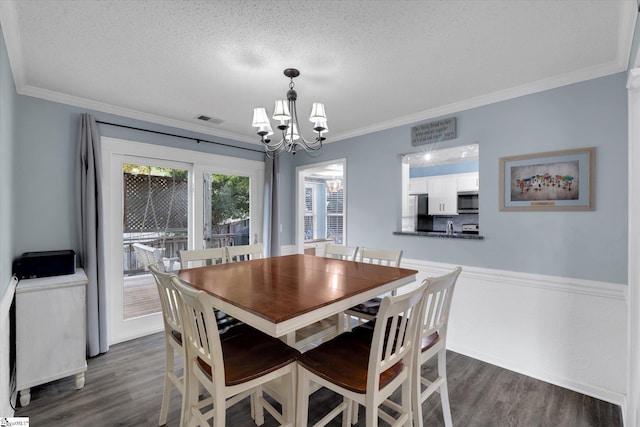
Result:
[[124, 388]]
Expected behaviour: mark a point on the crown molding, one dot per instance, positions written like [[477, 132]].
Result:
[[126, 112], [628, 16], [492, 98]]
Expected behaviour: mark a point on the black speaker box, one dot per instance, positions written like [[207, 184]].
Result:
[[31, 265]]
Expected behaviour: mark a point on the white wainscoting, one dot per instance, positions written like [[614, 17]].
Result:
[[6, 397], [565, 331]]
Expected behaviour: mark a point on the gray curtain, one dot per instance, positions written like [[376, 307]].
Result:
[[90, 225], [271, 216]]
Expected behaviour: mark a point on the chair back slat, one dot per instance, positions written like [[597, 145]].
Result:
[[200, 327], [202, 257], [347, 253], [386, 257], [395, 334], [244, 252], [438, 302], [168, 299]]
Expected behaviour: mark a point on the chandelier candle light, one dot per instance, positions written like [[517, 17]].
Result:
[[285, 112]]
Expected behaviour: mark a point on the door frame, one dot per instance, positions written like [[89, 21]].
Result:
[[113, 151], [300, 207]]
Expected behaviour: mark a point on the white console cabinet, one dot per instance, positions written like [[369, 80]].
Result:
[[50, 331]]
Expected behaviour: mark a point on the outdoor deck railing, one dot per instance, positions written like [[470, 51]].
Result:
[[171, 244]]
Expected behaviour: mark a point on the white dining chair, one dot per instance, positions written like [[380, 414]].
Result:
[[330, 327], [346, 253], [231, 372], [201, 257], [244, 252], [433, 335], [369, 309], [367, 368], [173, 337], [147, 256], [212, 256]]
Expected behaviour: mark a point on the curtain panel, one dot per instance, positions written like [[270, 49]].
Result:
[[90, 223], [271, 234]]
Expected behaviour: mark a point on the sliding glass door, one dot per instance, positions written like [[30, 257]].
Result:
[[151, 213]]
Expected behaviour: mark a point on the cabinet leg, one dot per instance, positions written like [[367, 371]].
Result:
[[79, 380], [25, 396]]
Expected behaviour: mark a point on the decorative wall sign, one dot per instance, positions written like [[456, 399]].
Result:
[[555, 180], [428, 133]]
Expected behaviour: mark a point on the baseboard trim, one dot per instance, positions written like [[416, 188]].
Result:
[[587, 389]]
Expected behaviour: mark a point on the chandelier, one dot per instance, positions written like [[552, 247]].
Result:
[[286, 113], [334, 185]]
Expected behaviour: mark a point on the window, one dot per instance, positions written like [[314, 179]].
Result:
[[309, 217], [335, 216]]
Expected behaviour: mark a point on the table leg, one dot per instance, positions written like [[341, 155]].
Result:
[[291, 339]]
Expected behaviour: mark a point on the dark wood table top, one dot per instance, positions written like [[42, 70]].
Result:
[[281, 294]]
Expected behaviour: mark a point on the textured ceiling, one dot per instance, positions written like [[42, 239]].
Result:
[[374, 64]]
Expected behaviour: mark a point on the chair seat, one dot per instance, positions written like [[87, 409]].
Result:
[[344, 361], [430, 341], [370, 307], [366, 330], [249, 354]]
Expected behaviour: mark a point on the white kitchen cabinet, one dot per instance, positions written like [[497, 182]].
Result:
[[443, 195], [50, 331], [419, 185], [468, 181]]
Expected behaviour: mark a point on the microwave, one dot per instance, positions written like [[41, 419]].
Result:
[[467, 202]]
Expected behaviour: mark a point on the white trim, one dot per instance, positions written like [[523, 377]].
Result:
[[628, 16], [565, 331], [7, 398], [491, 98], [631, 410], [63, 98]]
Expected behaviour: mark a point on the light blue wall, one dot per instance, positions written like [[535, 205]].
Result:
[[7, 136], [587, 245], [45, 163]]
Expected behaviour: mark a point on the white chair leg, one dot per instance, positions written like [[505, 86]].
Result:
[[416, 396], [192, 391], [444, 389], [302, 404], [166, 392], [354, 413], [257, 408], [289, 404], [406, 402], [348, 411], [220, 409]]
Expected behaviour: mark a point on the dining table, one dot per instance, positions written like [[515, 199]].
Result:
[[281, 294]]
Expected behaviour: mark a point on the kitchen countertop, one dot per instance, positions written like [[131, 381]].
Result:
[[440, 234]]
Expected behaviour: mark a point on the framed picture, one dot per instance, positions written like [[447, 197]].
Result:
[[551, 181]]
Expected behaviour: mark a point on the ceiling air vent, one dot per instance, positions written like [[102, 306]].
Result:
[[212, 120]]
